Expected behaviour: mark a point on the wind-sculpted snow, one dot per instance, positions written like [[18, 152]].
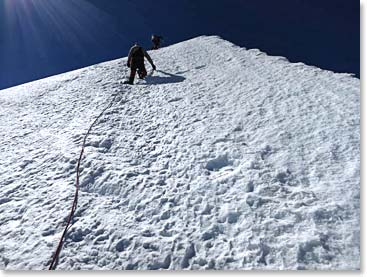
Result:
[[225, 158]]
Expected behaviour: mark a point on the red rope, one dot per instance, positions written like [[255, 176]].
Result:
[[75, 201]]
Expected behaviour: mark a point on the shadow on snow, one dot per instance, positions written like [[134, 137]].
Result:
[[167, 79]]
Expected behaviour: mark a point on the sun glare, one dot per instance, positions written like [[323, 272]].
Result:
[[30, 23]]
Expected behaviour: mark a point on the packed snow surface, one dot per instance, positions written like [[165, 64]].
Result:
[[225, 158]]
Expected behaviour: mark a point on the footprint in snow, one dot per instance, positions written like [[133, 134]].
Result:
[[218, 163], [175, 99]]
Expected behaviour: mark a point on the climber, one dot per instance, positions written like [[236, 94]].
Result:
[[156, 41], [136, 63]]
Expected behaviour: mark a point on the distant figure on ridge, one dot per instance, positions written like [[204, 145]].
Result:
[[156, 41], [136, 63]]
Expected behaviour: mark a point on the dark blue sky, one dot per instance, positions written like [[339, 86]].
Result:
[[39, 38]]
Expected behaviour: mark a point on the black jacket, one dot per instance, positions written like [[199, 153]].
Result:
[[137, 54]]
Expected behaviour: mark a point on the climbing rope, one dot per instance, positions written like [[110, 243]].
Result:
[[75, 201]]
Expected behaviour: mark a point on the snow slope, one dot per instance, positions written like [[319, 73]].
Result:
[[225, 158]]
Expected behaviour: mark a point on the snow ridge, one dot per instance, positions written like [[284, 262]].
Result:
[[226, 158]]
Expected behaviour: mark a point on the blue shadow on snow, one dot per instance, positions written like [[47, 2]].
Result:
[[168, 79]]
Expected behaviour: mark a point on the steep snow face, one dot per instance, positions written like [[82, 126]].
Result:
[[225, 158]]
